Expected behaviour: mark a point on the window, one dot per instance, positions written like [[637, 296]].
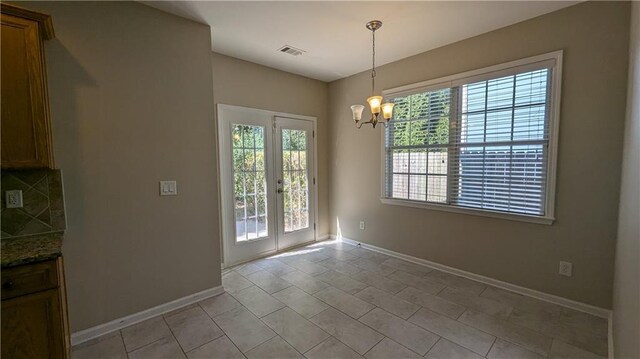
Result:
[[481, 142], [249, 182]]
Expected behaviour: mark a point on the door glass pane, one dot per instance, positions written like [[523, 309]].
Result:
[[295, 178], [249, 185]]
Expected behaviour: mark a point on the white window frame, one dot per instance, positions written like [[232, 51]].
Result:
[[554, 61]]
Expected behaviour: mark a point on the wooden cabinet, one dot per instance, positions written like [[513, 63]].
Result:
[[34, 316], [26, 127]]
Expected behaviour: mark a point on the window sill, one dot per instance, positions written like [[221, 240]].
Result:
[[469, 211]]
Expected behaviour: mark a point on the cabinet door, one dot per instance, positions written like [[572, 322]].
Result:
[[26, 129], [32, 326]]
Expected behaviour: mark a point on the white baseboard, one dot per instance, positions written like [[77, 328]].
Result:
[[102, 329], [572, 304], [610, 337]]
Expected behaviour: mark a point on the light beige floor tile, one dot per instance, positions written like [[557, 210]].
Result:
[[516, 334], [275, 348], [341, 281], [479, 304], [303, 253], [274, 266], [538, 320], [583, 321], [445, 349], [504, 350], [290, 256], [109, 346], [301, 302], [219, 304], [371, 266], [372, 256], [246, 269], [432, 302], [192, 328], [143, 333], [461, 334], [344, 302], [315, 256], [233, 282], [267, 281], [403, 332], [181, 309], [580, 336], [502, 296], [342, 256], [341, 246], [296, 330], [408, 267], [340, 266], [389, 302], [376, 280], [524, 326], [243, 328], [308, 267], [562, 350], [538, 307], [356, 335], [332, 348], [387, 349], [305, 282], [221, 348], [421, 283], [458, 282], [164, 348], [258, 301], [287, 260]]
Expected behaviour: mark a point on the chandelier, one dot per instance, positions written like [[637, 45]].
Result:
[[375, 102]]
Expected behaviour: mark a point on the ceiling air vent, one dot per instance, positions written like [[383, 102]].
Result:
[[291, 50]]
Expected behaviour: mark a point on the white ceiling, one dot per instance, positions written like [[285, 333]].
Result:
[[334, 36]]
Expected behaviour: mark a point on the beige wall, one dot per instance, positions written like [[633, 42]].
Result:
[[131, 104], [626, 292], [594, 37], [242, 83]]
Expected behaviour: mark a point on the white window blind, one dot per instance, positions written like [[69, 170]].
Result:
[[481, 142]]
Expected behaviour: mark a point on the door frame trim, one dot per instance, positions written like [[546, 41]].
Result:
[[222, 194]]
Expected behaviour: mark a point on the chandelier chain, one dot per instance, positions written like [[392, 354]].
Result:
[[373, 64]]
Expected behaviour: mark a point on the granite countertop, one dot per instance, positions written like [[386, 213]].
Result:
[[31, 249]]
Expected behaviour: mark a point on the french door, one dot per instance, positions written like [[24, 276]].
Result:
[[267, 180]]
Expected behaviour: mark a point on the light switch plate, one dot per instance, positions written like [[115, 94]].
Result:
[[14, 198], [168, 188]]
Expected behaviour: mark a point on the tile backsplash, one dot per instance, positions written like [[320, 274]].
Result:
[[43, 203]]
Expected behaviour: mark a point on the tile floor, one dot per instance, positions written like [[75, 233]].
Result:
[[334, 300]]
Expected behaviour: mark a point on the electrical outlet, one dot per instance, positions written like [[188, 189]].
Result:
[[565, 269], [168, 188], [14, 199], [362, 225]]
